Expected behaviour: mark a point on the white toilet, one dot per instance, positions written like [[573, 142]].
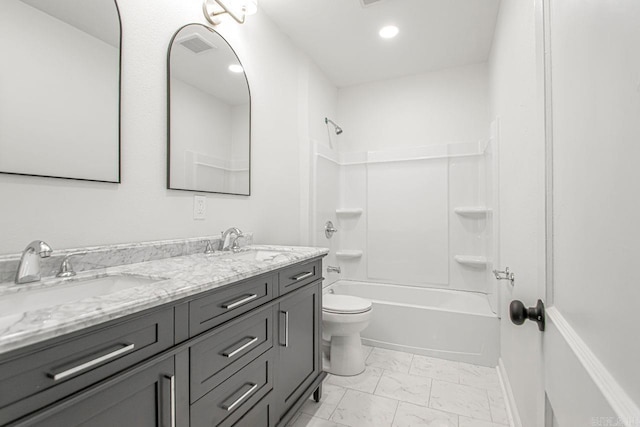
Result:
[[343, 318]]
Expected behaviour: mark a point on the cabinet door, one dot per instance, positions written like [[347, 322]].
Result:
[[299, 363], [146, 398]]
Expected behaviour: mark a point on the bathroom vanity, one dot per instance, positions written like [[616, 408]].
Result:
[[219, 340]]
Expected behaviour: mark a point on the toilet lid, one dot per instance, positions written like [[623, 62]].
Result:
[[346, 304]]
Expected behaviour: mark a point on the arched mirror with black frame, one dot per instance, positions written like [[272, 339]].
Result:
[[60, 89], [209, 115]]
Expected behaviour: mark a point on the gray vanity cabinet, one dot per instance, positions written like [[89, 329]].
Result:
[[299, 360], [144, 398], [245, 354]]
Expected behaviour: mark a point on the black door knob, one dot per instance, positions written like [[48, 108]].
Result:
[[519, 313]]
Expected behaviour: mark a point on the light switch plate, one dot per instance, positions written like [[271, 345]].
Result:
[[199, 207]]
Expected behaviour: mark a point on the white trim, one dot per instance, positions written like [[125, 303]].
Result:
[[369, 162], [507, 391], [544, 17], [621, 404], [427, 152]]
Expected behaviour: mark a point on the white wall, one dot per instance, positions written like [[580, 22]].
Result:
[[596, 106], [515, 100], [72, 213], [431, 108]]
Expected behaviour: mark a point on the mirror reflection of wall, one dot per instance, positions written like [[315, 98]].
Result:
[[209, 114], [60, 89]]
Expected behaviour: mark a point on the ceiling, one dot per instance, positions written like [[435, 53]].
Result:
[[341, 36]]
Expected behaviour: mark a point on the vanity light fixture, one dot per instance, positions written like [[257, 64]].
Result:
[[389, 32], [236, 68], [237, 9]]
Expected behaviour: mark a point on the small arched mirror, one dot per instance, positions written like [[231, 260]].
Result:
[[209, 114]]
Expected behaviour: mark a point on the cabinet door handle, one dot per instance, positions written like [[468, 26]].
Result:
[[113, 354], [232, 353], [286, 328], [302, 276], [243, 396], [172, 397], [240, 301]]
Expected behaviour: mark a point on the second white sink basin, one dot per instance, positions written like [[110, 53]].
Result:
[[76, 290]]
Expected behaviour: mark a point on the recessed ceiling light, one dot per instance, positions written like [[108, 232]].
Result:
[[389, 32], [235, 68]]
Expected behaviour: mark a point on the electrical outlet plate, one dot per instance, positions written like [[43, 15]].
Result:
[[199, 207]]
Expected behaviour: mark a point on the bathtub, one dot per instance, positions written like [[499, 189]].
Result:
[[453, 325]]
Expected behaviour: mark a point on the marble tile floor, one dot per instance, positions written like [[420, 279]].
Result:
[[401, 389]]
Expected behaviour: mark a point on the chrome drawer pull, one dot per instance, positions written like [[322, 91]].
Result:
[[302, 276], [286, 328], [172, 397], [243, 300], [252, 340], [89, 364], [241, 398]]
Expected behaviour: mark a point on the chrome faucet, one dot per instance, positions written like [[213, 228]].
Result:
[[29, 267], [233, 243]]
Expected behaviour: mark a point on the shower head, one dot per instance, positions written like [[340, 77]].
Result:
[[338, 129]]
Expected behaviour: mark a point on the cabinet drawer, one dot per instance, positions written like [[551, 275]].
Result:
[[228, 349], [258, 416], [236, 396], [218, 307], [34, 380], [142, 399], [298, 275]]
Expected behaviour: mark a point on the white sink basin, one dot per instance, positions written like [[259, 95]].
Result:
[[20, 302], [254, 255]]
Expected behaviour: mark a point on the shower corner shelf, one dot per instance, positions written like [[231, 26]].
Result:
[[475, 211], [349, 211], [349, 253], [471, 260]]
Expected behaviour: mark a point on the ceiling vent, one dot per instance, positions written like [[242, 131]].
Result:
[[197, 44], [366, 3]]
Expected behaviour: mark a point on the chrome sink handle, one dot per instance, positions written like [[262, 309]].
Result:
[[66, 269], [209, 248], [235, 246]]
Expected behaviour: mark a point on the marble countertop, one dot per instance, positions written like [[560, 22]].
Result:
[[175, 278]]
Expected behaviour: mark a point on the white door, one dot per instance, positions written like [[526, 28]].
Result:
[[591, 347]]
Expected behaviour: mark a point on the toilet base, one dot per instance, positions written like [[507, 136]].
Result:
[[346, 357]]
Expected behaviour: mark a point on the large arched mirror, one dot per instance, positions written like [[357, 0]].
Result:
[[60, 89], [209, 115]]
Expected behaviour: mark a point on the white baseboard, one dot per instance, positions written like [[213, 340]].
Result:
[[512, 409]]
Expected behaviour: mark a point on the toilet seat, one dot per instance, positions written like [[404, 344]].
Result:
[[345, 304]]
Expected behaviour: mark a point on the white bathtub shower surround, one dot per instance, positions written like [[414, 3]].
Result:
[[408, 228], [453, 325]]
